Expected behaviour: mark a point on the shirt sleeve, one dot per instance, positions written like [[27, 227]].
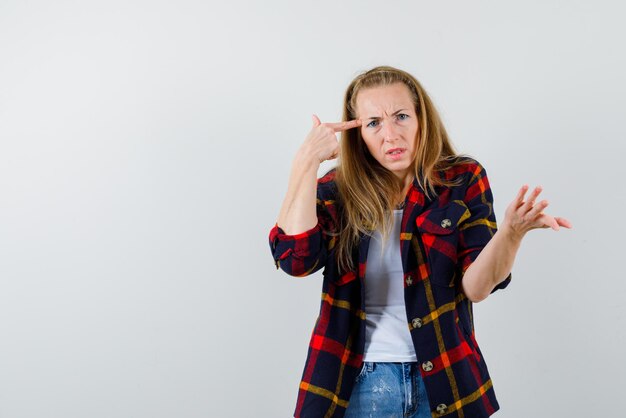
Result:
[[304, 253], [476, 231]]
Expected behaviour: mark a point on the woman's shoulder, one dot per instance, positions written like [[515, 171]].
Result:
[[326, 186], [461, 166]]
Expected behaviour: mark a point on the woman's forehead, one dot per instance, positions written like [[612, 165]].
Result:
[[383, 99]]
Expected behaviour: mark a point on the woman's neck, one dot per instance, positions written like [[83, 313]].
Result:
[[407, 181]]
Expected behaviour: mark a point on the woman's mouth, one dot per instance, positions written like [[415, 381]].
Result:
[[396, 153]]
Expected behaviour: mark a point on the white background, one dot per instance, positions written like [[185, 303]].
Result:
[[144, 153]]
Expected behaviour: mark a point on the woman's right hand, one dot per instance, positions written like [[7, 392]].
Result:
[[321, 143]]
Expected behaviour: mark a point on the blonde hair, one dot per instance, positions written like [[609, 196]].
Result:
[[366, 189]]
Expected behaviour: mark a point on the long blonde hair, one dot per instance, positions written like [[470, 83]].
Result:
[[367, 190]]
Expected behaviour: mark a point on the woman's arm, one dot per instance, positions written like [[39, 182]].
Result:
[[298, 214], [495, 261], [298, 241]]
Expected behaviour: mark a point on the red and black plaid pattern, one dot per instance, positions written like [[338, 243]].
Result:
[[440, 238]]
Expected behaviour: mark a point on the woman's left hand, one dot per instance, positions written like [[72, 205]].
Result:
[[522, 216]]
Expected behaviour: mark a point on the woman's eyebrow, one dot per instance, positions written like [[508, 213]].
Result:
[[393, 114]]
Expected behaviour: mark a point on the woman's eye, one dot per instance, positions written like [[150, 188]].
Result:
[[372, 124], [403, 116]]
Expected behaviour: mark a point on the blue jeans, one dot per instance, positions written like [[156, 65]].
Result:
[[389, 390]]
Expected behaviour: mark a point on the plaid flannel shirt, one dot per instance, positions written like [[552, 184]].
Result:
[[439, 239]]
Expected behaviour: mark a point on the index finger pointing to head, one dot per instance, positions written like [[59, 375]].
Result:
[[344, 126]]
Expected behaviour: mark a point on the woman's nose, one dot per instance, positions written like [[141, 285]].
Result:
[[389, 131]]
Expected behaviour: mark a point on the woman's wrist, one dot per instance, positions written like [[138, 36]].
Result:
[[508, 233], [305, 163]]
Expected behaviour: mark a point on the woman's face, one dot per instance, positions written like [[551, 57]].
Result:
[[389, 126]]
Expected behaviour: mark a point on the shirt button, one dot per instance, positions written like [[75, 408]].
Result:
[[427, 366], [417, 323], [442, 408], [446, 223], [409, 280]]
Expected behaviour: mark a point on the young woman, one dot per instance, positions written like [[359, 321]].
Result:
[[405, 233]]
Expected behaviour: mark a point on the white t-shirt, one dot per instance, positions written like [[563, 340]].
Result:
[[387, 336]]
